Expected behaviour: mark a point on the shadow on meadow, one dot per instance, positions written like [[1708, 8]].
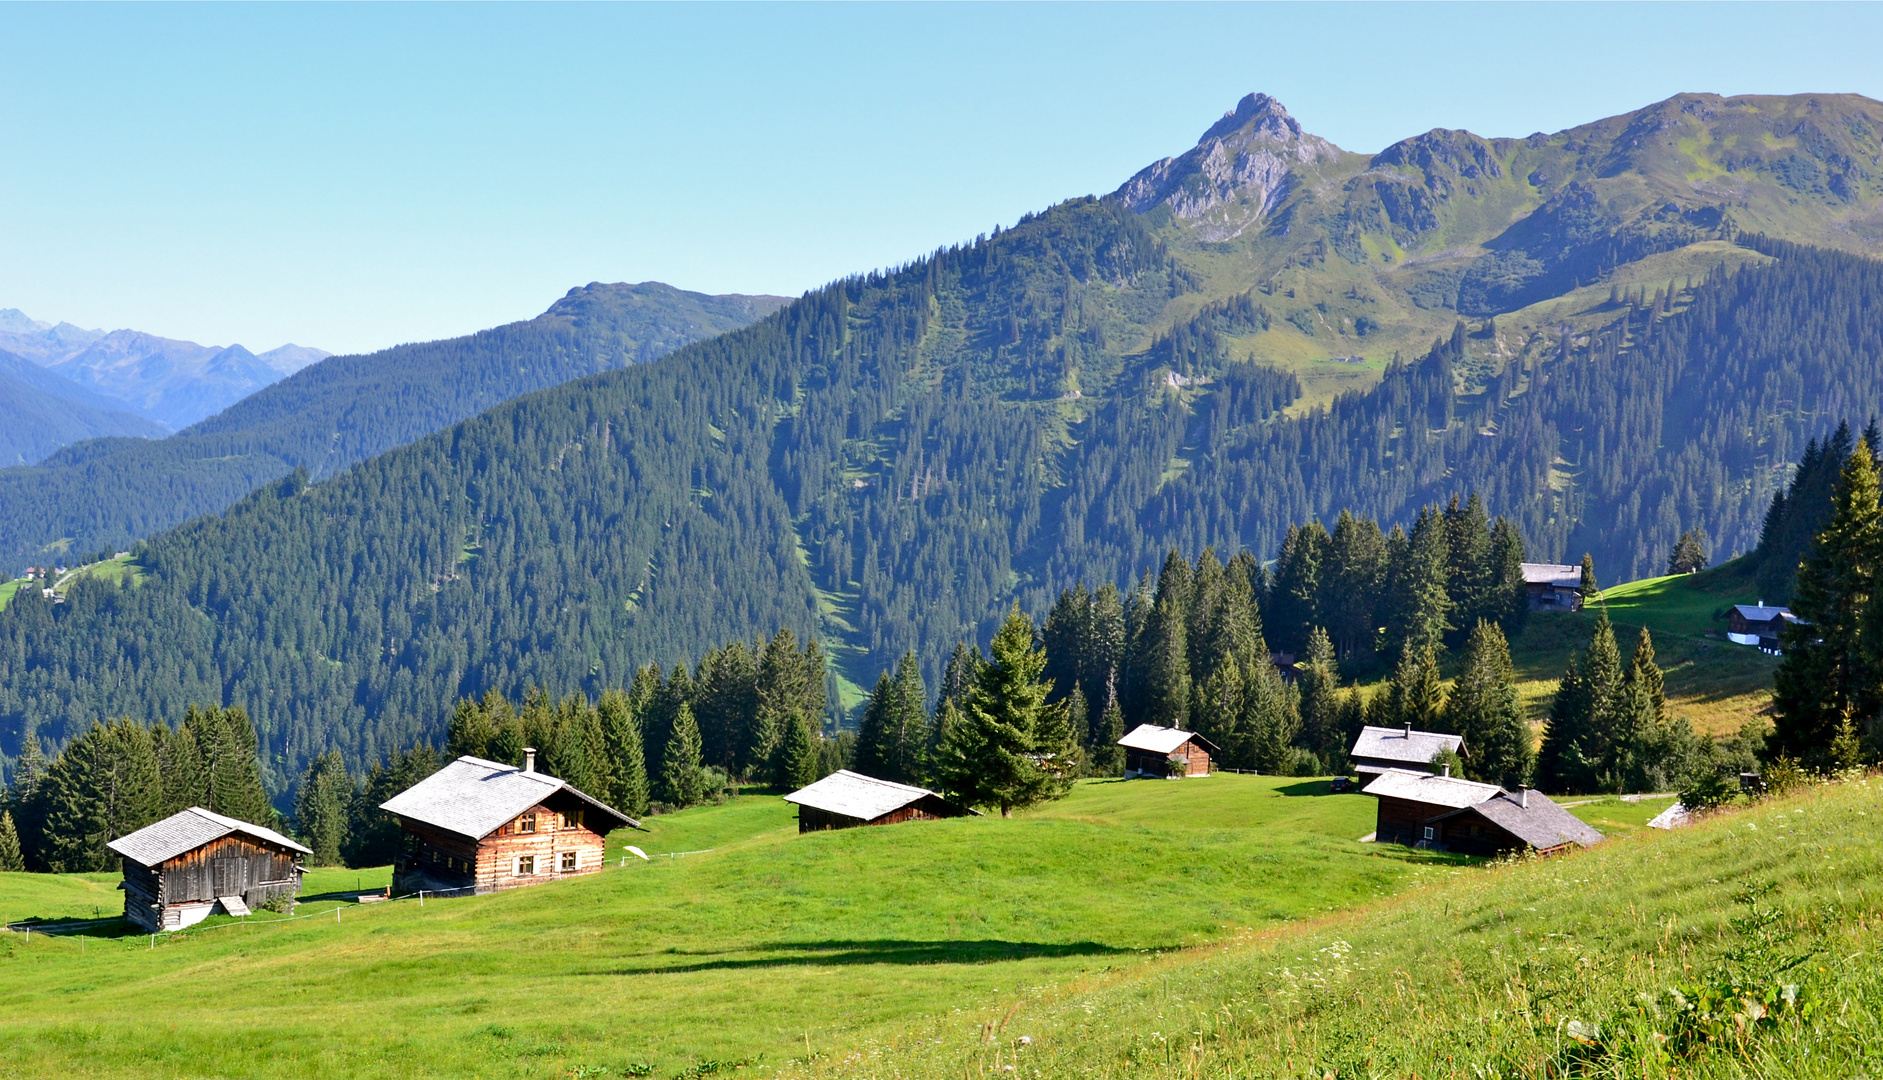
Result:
[[887, 951]]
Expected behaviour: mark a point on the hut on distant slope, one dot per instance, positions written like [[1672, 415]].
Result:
[[1151, 750], [480, 826], [1383, 749], [846, 799], [194, 863]]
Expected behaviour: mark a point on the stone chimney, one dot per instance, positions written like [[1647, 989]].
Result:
[[529, 759]]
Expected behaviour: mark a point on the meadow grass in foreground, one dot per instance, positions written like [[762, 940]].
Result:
[[1538, 968], [765, 945]]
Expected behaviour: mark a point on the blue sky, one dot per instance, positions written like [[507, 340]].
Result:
[[351, 176]]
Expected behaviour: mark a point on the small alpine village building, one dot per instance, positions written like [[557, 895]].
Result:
[[1152, 751], [845, 800], [478, 826], [1449, 813], [1383, 749], [195, 863], [1757, 624], [1553, 586]]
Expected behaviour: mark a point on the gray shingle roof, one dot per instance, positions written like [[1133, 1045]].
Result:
[[1761, 612], [1431, 790], [474, 797], [1542, 824], [1394, 744], [1160, 740], [851, 794], [187, 830], [1561, 575]]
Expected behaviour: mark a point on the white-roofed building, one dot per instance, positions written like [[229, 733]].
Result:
[[480, 826], [1408, 801], [1165, 752], [1758, 624], [1381, 749], [846, 799], [1553, 586], [195, 863]]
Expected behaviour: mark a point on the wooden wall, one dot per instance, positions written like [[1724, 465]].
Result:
[[1402, 821], [441, 861], [231, 866], [1155, 764]]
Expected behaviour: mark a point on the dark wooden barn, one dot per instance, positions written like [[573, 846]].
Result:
[[1384, 749], [846, 799], [194, 864], [1151, 751], [1409, 801], [478, 826], [1505, 823]]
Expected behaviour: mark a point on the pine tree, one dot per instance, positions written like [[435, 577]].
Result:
[[964, 668], [1485, 707], [1271, 721], [1591, 592], [1512, 604], [104, 785], [621, 732], [994, 749], [1689, 554], [1420, 606], [682, 780], [1079, 719], [1217, 712], [1416, 695], [1320, 699], [472, 728], [1294, 598], [322, 808], [12, 859], [1355, 578], [1108, 758], [1591, 703], [1829, 668], [231, 763], [797, 755], [185, 776], [1470, 573], [1163, 649]]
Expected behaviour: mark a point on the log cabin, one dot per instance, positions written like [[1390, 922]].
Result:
[[1151, 750], [478, 826], [1757, 624], [1409, 801], [1552, 586], [846, 799], [1506, 823], [1383, 749], [195, 863]]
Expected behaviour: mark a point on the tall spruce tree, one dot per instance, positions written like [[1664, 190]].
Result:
[[798, 756], [1416, 695], [1420, 607], [621, 728], [1689, 554], [104, 785], [1830, 666], [1485, 707], [1163, 650], [1319, 684], [323, 808], [1356, 574], [12, 857], [1007, 746], [682, 778], [1591, 703]]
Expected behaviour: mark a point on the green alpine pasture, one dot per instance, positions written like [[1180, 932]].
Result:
[[751, 943], [1744, 946]]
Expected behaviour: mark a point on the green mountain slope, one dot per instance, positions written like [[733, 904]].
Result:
[[890, 461], [345, 409]]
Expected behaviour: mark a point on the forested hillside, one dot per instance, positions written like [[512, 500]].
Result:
[[103, 495], [889, 462]]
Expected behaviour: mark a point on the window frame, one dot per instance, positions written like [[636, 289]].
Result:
[[520, 865], [568, 862], [526, 824]]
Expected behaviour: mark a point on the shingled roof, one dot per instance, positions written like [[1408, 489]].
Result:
[[187, 830], [854, 795], [1403, 744], [474, 797], [1432, 790], [1531, 817]]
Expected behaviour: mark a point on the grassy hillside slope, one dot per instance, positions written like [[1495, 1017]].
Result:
[[749, 949], [1543, 968]]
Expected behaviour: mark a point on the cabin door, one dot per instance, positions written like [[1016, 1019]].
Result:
[[228, 876]]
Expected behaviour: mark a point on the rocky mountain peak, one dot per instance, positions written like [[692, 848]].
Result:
[[1237, 172]]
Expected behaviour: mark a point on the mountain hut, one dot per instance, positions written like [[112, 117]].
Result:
[[194, 864], [846, 799], [1156, 751]]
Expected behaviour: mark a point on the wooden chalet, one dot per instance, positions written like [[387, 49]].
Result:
[[1553, 586], [1383, 749], [846, 799], [1152, 751], [478, 826], [1503, 823], [1757, 624], [1410, 801], [195, 863]]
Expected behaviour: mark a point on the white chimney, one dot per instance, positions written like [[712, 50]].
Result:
[[1408, 729], [1523, 798], [1447, 767], [529, 759]]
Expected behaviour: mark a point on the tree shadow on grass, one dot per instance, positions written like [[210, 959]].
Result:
[[890, 951], [1308, 787]]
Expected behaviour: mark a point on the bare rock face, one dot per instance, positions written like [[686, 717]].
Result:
[[1242, 163]]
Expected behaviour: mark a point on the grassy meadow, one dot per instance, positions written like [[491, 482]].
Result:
[[1535, 968], [757, 945]]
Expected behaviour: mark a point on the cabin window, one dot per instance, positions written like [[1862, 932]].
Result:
[[526, 864], [1431, 833], [568, 860], [572, 819], [526, 823]]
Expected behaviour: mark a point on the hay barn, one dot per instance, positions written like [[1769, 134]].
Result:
[[195, 863], [1152, 751], [846, 799]]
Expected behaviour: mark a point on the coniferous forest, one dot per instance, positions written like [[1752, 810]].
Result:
[[886, 463]]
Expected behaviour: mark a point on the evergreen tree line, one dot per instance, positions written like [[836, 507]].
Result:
[[1800, 510], [1827, 696], [891, 460], [120, 776]]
